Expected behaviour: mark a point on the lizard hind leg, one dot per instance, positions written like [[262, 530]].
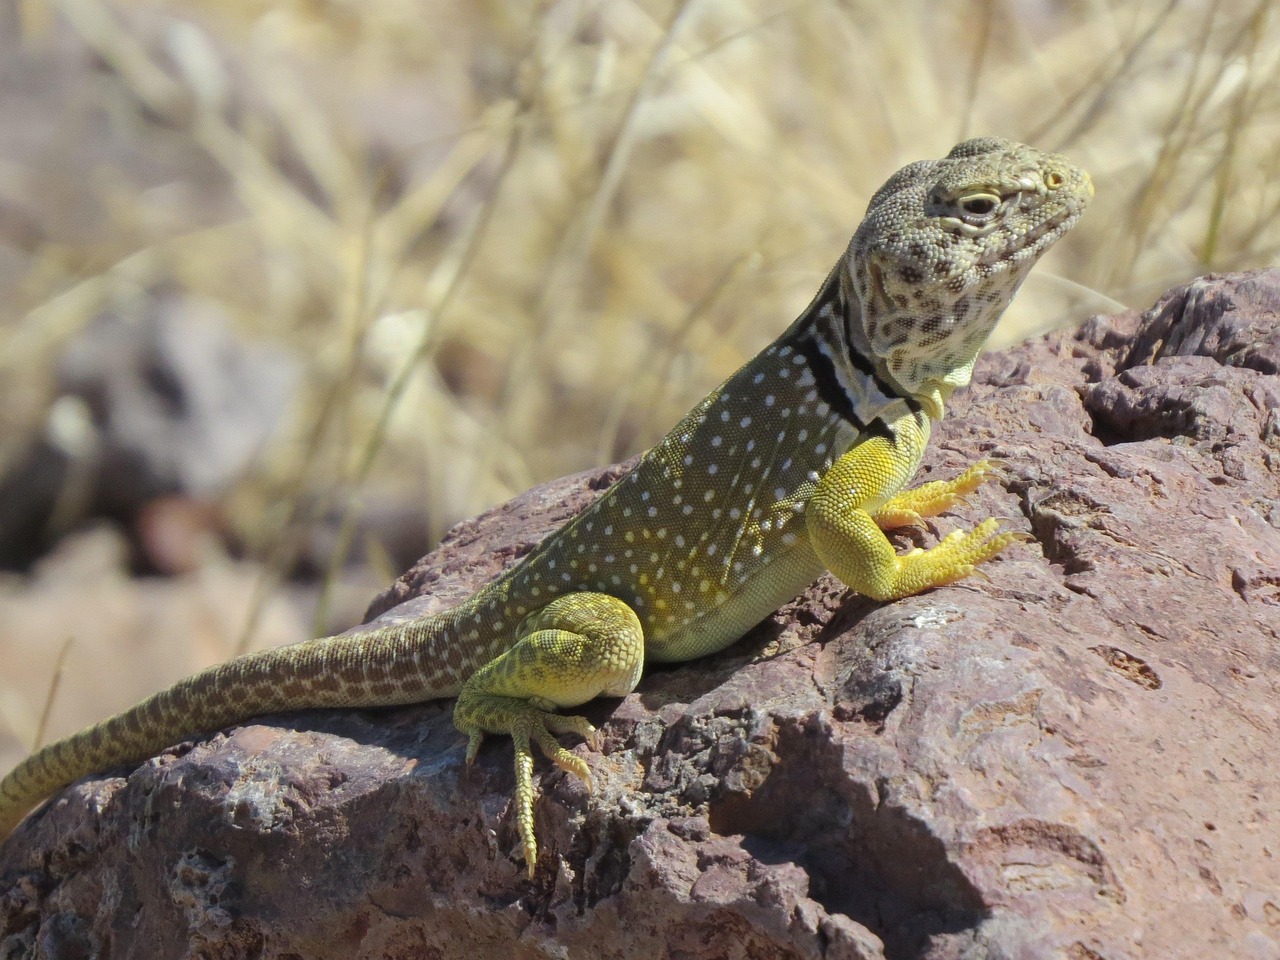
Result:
[[574, 649]]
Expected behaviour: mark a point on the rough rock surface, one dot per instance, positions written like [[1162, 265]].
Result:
[[1074, 758]]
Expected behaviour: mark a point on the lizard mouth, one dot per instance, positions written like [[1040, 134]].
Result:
[[1040, 236]]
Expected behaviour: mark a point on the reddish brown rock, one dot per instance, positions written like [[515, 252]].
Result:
[[1074, 758]]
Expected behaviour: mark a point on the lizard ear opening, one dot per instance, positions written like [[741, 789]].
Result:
[[880, 303], [878, 306]]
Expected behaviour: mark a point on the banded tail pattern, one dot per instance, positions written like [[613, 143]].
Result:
[[391, 665]]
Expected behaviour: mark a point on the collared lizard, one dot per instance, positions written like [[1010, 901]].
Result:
[[794, 465]]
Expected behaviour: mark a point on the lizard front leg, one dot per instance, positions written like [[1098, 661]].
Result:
[[856, 497], [576, 648]]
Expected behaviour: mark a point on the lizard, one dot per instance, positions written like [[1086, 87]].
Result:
[[797, 464]]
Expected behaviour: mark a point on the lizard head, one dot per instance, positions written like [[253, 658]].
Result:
[[942, 250]]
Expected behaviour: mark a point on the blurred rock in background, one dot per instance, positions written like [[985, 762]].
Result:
[[163, 404]]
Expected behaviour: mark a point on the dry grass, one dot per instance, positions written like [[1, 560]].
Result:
[[511, 244]]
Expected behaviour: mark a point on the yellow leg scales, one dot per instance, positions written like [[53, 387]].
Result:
[[911, 507], [859, 496], [576, 648]]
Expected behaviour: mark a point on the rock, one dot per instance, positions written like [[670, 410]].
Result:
[[161, 402], [180, 404], [1071, 758]]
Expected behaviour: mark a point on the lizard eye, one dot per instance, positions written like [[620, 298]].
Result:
[[979, 205]]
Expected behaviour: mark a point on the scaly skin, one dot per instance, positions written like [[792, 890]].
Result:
[[795, 464]]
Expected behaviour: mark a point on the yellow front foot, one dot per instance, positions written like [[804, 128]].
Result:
[[911, 507], [954, 558], [855, 549]]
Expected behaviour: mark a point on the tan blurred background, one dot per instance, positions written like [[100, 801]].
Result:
[[353, 271]]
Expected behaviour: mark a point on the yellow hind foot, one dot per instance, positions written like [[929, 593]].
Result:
[[478, 714], [577, 647], [911, 507]]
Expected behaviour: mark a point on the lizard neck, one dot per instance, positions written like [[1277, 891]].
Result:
[[852, 378]]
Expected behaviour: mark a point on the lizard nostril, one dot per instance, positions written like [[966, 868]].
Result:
[[1053, 180]]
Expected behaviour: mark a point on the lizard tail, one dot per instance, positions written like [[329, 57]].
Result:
[[390, 665]]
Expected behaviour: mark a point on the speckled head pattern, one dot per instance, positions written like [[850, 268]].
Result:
[[944, 246]]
